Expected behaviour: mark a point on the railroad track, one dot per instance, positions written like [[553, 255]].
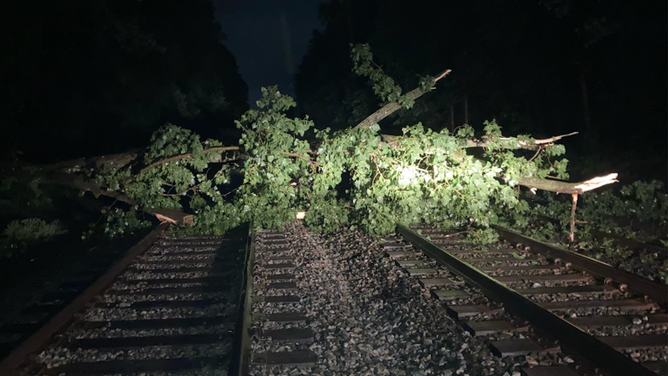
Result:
[[169, 305], [24, 321], [273, 303], [275, 331], [614, 321]]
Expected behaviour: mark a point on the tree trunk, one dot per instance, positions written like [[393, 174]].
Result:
[[349, 19], [287, 46], [585, 104], [466, 109]]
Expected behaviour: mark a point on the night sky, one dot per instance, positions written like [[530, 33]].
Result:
[[268, 39]]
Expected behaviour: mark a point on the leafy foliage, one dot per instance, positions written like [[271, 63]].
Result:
[[21, 233], [383, 85], [644, 203], [277, 171], [22, 197], [123, 223], [189, 182], [641, 202], [355, 176]]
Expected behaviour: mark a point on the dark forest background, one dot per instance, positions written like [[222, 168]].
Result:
[[541, 67], [89, 77]]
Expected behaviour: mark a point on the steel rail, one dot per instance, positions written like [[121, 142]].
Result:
[[634, 282], [568, 334], [39, 340], [241, 356]]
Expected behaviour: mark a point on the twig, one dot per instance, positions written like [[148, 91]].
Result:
[[227, 193], [535, 155], [440, 76], [304, 158], [553, 139], [187, 155], [532, 145], [456, 233], [571, 236]]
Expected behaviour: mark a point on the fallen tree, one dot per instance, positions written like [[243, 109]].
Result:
[[357, 176], [80, 183]]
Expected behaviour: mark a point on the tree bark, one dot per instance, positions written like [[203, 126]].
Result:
[[566, 187]]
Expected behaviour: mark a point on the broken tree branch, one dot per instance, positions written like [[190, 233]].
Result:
[[571, 235], [78, 182], [188, 155], [390, 108], [552, 139], [123, 159], [220, 149], [100, 162], [520, 144], [511, 144], [302, 157], [565, 187]]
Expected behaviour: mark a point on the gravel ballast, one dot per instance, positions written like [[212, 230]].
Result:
[[370, 318], [152, 317]]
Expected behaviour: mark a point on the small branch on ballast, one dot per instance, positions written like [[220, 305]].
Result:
[[571, 236]]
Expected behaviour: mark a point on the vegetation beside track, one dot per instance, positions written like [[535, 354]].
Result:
[[625, 227]]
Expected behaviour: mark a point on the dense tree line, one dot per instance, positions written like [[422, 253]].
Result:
[[98, 76], [541, 67], [537, 69]]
